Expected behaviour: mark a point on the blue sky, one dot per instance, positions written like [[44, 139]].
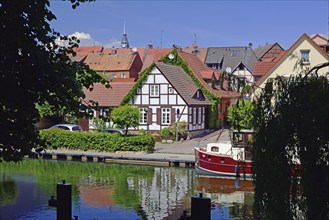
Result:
[[213, 23]]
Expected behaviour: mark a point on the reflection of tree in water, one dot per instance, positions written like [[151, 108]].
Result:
[[8, 191]]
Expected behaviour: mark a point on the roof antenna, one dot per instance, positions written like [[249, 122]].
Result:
[[195, 38]]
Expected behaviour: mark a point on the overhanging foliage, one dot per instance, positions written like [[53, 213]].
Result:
[[291, 148]]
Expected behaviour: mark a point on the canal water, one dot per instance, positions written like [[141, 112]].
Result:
[[116, 191]]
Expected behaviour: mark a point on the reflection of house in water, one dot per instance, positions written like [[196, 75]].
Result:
[[167, 190], [236, 195], [96, 196]]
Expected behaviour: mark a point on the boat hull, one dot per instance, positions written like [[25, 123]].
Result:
[[221, 165]]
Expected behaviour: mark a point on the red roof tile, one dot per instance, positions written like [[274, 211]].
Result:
[[108, 62], [89, 49], [154, 55], [261, 68], [111, 97], [197, 67]]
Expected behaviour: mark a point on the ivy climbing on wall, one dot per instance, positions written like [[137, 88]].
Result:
[[215, 100]]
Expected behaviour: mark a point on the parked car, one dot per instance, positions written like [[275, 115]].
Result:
[[68, 127], [116, 130]]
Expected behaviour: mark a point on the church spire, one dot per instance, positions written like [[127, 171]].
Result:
[[124, 41]]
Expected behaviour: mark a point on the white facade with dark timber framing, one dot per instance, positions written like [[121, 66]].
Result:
[[167, 91]]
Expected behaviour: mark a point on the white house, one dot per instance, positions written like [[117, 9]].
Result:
[[169, 95]]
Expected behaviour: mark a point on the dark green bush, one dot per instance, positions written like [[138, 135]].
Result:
[[55, 138]]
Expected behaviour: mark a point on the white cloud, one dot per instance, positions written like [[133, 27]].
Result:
[[85, 39], [81, 35]]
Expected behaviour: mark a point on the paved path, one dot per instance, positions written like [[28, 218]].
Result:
[[183, 151]]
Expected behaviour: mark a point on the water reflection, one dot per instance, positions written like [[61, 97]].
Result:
[[109, 191], [8, 191]]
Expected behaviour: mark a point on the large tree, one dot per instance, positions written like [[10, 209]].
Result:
[[34, 69], [291, 148]]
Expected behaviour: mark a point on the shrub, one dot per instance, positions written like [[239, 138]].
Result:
[[55, 139], [165, 132]]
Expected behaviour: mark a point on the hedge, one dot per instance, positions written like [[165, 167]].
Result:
[[56, 139]]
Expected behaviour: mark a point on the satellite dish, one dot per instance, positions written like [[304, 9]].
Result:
[[228, 69], [134, 49], [171, 56]]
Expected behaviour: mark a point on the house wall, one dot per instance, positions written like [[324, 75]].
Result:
[[136, 67], [286, 66], [244, 73], [168, 98]]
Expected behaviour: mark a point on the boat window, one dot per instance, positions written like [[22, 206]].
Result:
[[214, 149], [209, 157], [222, 160]]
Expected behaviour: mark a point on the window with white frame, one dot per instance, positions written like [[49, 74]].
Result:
[[305, 56], [166, 115], [154, 90], [122, 75], [194, 116], [104, 112], [171, 90], [143, 116], [199, 116]]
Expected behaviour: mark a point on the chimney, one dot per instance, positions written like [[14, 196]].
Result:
[[150, 45], [113, 51]]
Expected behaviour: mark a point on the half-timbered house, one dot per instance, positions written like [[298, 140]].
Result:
[[168, 95]]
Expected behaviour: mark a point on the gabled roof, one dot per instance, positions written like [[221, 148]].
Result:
[[284, 55], [108, 97], [261, 68], [108, 62], [182, 83], [223, 55], [154, 55], [197, 68], [78, 57], [140, 51], [262, 50], [89, 49], [320, 40], [201, 53]]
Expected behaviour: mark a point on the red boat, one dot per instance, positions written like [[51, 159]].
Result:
[[226, 158]]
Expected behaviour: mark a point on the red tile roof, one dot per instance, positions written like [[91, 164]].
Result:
[[140, 51], [197, 67], [108, 62], [111, 97], [123, 80], [89, 49], [154, 55], [201, 53], [262, 67]]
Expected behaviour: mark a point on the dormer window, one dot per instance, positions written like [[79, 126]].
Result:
[[198, 94], [305, 56], [235, 53]]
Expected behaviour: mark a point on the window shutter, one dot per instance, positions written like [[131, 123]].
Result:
[[159, 116], [173, 116], [149, 116]]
